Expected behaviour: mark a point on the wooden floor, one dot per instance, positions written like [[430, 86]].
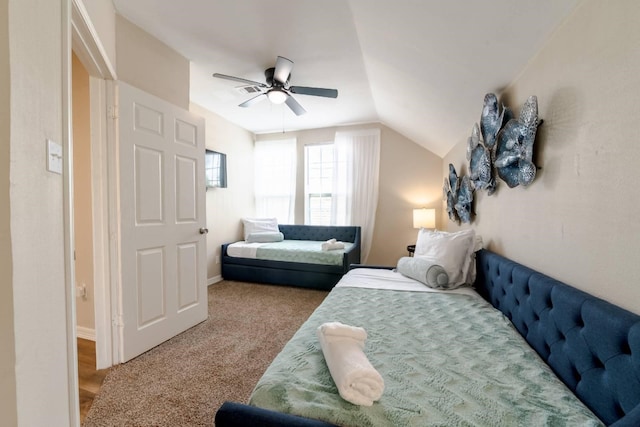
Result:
[[89, 379]]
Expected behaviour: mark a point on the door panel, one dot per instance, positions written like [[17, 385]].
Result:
[[148, 171], [187, 207], [187, 279], [150, 286], [162, 206]]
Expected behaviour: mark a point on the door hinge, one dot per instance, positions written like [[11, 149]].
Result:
[[113, 112]]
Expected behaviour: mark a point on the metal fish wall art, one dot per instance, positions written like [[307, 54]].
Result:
[[458, 193], [450, 192], [502, 144], [491, 120], [480, 168], [481, 146], [514, 150], [481, 171], [464, 200]]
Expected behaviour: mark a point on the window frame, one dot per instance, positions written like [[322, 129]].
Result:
[[320, 190]]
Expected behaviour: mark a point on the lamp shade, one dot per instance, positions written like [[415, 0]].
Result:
[[424, 218]]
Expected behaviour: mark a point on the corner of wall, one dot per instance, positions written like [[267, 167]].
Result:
[[8, 399]]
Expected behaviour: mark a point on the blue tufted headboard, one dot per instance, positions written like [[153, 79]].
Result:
[[343, 233], [593, 346]]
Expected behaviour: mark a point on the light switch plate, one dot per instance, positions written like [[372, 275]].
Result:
[[54, 157]]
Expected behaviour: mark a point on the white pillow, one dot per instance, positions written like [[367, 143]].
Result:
[[257, 225], [453, 251]]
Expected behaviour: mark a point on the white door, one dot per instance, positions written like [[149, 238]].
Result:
[[162, 208]]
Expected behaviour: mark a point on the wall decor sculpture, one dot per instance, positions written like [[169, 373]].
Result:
[[492, 119], [450, 192], [514, 150], [458, 193], [480, 166], [481, 146], [464, 200], [500, 144]]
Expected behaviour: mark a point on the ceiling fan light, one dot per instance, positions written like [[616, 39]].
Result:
[[277, 96]]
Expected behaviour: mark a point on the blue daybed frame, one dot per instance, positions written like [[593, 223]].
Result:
[[592, 346], [299, 274]]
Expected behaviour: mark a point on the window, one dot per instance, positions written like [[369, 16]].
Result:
[[319, 164], [275, 179], [215, 167]]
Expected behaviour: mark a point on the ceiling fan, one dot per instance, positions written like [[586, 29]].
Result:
[[277, 88]]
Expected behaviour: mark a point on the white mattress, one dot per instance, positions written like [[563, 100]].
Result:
[[375, 278]]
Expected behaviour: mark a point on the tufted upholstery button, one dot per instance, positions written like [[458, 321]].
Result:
[[619, 410], [597, 363], [576, 374]]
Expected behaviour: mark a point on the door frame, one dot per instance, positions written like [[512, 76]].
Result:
[[79, 35]]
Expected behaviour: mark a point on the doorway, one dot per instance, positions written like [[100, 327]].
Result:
[[89, 377], [82, 201], [86, 55]]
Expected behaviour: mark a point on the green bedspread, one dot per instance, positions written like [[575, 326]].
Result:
[[447, 360], [301, 251]]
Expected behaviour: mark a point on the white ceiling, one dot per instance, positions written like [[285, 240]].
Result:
[[421, 67]]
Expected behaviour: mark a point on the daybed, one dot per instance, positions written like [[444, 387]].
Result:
[[302, 274], [462, 373]]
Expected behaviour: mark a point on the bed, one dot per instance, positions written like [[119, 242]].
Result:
[[586, 351], [302, 262]]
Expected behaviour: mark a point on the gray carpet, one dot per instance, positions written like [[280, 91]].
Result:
[[183, 381]]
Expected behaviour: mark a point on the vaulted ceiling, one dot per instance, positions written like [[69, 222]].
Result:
[[421, 67]]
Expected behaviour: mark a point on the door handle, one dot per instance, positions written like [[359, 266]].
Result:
[[204, 230]]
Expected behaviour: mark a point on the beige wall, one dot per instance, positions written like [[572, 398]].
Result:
[[83, 224], [36, 216], [579, 220], [103, 19], [409, 178], [8, 392], [225, 206], [150, 65]]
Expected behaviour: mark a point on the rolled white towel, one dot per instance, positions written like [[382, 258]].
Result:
[[357, 380], [332, 246], [331, 241]]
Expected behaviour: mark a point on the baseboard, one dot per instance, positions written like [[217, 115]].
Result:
[[86, 333], [214, 279]]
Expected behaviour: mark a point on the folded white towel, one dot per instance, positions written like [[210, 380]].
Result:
[[357, 380], [326, 246], [331, 241]]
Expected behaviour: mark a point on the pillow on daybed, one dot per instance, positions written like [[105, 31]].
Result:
[[453, 251], [265, 237], [257, 225], [425, 271]]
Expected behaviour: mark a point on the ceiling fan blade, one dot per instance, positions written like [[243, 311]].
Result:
[[283, 69], [238, 79], [251, 101], [314, 91], [295, 107]]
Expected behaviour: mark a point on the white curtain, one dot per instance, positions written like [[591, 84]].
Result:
[[275, 179], [355, 192]]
